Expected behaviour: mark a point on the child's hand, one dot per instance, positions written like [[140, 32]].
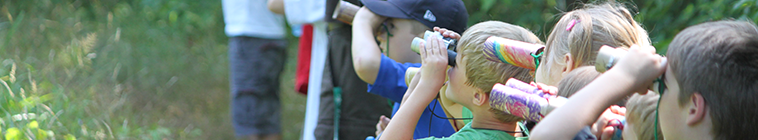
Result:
[[603, 127], [447, 33], [643, 65], [364, 16], [545, 88], [381, 125], [433, 61]]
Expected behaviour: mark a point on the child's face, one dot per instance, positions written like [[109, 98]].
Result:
[[400, 38], [457, 89], [672, 116]]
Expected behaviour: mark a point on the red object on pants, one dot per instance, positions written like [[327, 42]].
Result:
[[304, 59]]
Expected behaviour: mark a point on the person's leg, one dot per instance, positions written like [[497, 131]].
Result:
[[325, 127], [256, 65], [271, 137]]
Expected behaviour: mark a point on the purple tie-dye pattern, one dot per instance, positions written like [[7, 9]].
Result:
[[518, 84], [517, 102]]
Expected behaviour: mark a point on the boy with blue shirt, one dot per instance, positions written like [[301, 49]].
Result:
[[468, 84], [394, 23]]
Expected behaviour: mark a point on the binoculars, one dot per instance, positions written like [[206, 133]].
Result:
[[449, 44], [514, 52], [345, 12], [523, 100]]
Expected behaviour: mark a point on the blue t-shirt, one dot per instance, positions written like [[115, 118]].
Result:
[[390, 83]]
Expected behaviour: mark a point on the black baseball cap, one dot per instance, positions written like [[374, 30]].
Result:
[[450, 14]]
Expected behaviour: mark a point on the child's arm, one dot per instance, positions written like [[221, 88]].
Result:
[[634, 73], [433, 67], [366, 54]]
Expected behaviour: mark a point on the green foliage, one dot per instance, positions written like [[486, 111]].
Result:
[[664, 19], [115, 69], [106, 69], [23, 105], [661, 18], [535, 15]]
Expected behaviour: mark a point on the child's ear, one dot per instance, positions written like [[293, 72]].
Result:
[[569, 63], [697, 109], [480, 98]]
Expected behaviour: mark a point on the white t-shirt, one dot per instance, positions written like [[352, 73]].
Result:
[[252, 18], [304, 11]]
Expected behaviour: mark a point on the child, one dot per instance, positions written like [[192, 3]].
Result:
[[578, 35], [709, 86], [458, 115], [712, 83], [576, 80], [639, 112], [394, 23], [469, 84]]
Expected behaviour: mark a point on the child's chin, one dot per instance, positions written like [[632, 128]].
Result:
[[452, 97]]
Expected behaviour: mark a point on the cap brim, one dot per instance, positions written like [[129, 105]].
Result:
[[385, 8]]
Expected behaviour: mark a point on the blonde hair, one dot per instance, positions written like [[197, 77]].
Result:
[[583, 31], [576, 80], [640, 112], [482, 73]]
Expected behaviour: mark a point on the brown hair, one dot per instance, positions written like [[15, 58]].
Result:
[[583, 31], [719, 60], [640, 112], [576, 80], [482, 73]]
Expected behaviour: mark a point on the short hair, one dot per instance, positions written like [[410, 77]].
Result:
[[640, 112], [591, 27], [719, 60], [576, 80], [482, 73]]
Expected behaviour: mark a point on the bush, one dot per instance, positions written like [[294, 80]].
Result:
[[662, 18]]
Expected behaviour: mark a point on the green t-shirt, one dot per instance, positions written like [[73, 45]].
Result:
[[465, 113], [468, 133]]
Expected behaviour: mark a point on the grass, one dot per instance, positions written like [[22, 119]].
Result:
[[102, 69]]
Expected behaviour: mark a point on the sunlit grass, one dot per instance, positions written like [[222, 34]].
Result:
[[149, 69]]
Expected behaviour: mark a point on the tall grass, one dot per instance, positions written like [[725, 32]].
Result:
[[108, 69]]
